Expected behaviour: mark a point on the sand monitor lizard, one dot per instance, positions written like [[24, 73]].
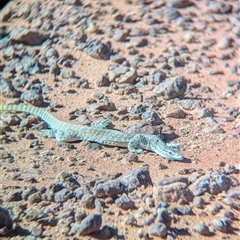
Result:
[[68, 132]]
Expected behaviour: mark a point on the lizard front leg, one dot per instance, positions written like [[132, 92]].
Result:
[[138, 143]]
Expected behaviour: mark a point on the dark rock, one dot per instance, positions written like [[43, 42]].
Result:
[[176, 114], [156, 78], [6, 222], [219, 7], [158, 230], [136, 178], [107, 232], [182, 210], [152, 117], [67, 180], [27, 192], [228, 214], [198, 202], [48, 221], [98, 49], [131, 220], [125, 202], [211, 183], [179, 3], [14, 196], [120, 35], [173, 192], [62, 195], [7, 89], [202, 229], [111, 188], [171, 87], [164, 217], [215, 208], [90, 224], [37, 230], [233, 198], [27, 36], [35, 198], [171, 13], [33, 97], [103, 81], [222, 224], [88, 201]]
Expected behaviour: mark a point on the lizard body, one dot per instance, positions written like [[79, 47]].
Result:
[[70, 132]]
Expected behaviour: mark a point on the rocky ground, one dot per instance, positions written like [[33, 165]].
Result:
[[158, 67]]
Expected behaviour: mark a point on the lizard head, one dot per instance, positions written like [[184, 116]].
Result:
[[157, 145]]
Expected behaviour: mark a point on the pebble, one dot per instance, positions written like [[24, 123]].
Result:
[[171, 87], [131, 220], [173, 192], [202, 229], [152, 117], [27, 36], [198, 202], [158, 230], [135, 178], [222, 224], [163, 217], [14, 196], [87, 201], [34, 198], [89, 224], [211, 183], [125, 203], [224, 43]]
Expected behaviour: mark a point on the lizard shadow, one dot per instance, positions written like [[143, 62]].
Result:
[[185, 160]]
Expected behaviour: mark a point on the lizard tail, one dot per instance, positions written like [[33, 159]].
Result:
[[40, 112]]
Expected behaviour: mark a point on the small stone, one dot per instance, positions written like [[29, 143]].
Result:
[[198, 202], [6, 222], [90, 224], [120, 35], [37, 230], [13, 196], [88, 201], [202, 229], [158, 230], [67, 73], [171, 87], [149, 202], [228, 214], [62, 195], [152, 117], [222, 224], [131, 220], [230, 169], [182, 210], [224, 43], [27, 36], [173, 192], [164, 217], [35, 198], [215, 208], [133, 179], [125, 202]]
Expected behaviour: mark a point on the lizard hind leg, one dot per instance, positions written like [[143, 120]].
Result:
[[49, 133]]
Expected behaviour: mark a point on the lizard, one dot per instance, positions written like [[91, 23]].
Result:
[[70, 132]]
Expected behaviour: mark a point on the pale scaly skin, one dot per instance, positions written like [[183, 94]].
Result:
[[69, 132]]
